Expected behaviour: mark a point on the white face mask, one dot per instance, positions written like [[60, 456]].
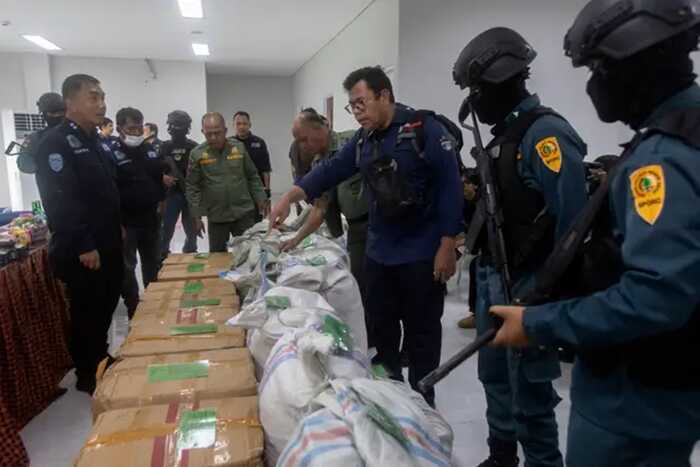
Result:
[[133, 141]]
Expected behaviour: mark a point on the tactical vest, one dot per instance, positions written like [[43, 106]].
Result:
[[528, 228], [395, 199], [669, 360]]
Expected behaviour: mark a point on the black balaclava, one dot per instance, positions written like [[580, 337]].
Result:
[[52, 121], [629, 90], [494, 102], [179, 135]]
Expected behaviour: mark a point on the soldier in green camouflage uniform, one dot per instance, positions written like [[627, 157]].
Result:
[[223, 185]]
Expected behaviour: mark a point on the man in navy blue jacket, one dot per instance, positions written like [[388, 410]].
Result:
[[410, 169]]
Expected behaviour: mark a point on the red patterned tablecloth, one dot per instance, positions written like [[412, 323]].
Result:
[[34, 354]]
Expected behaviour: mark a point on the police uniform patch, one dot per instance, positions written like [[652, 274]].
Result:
[[649, 191], [550, 153], [119, 155], [74, 142], [446, 143], [255, 145], [56, 162], [105, 147], [152, 155], [177, 157]]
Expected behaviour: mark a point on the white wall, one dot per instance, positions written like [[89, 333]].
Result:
[[178, 85], [24, 78], [372, 39], [126, 82], [432, 34], [269, 102]]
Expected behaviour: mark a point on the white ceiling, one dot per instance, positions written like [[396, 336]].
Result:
[[270, 37]]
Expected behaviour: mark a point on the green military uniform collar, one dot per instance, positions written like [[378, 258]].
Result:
[[225, 150], [675, 102]]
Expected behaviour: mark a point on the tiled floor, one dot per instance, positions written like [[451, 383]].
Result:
[[54, 438]]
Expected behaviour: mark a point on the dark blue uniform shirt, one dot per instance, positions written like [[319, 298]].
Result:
[[76, 176], [658, 291]]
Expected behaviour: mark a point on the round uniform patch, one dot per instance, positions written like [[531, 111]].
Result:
[[152, 155], [119, 155], [446, 143], [74, 142], [177, 157], [56, 162]]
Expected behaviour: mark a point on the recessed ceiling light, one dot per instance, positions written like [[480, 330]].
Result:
[[200, 49], [41, 42], [191, 8]]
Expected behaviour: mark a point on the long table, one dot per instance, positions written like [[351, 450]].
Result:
[[34, 354]]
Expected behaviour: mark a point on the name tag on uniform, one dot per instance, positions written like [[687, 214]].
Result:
[[206, 161]]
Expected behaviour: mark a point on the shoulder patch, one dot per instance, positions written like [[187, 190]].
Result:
[[106, 147], [648, 187], [550, 153], [152, 155], [73, 141], [446, 143], [56, 162], [119, 155]]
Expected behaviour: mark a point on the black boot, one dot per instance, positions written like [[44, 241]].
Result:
[[503, 454]]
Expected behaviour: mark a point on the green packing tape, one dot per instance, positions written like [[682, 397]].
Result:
[[158, 373], [197, 429], [193, 287], [339, 331], [203, 302], [317, 261], [308, 243], [206, 328], [386, 422], [278, 302], [195, 267]]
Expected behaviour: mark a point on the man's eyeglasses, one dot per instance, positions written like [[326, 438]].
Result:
[[359, 104]]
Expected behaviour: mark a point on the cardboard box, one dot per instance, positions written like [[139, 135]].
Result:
[[206, 284], [227, 431], [213, 259], [159, 338], [192, 290], [225, 302], [187, 267], [175, 316], [162, 379]]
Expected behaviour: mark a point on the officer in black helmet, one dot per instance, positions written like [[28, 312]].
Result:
[[540, 177], [636, 383], [52, 109], [176, 153]]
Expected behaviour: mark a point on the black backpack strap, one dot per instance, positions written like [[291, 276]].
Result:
[[414, 131], [682, 124], [358, 147]]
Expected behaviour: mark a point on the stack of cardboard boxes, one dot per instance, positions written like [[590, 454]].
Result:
[[183, 391]]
